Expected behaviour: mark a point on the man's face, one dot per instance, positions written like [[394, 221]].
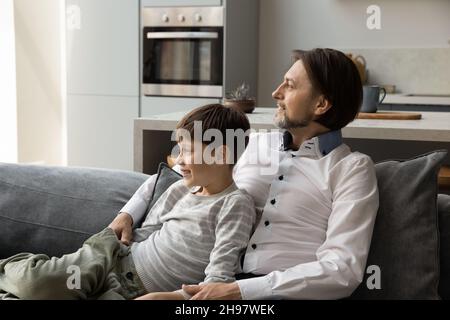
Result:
[[296, 99]]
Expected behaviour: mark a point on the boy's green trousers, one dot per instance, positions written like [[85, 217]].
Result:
[[101, 269]]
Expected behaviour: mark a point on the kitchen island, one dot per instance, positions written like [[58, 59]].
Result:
[[381, 139]]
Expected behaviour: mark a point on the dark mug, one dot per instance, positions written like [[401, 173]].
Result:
[[371, 98]]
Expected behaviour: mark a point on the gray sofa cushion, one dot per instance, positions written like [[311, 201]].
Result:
[[53, 210], [405, 242], [166, 177], [444, 229]]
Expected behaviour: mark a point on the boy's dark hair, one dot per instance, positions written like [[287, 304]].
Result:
[[219, 117], [335, 76]]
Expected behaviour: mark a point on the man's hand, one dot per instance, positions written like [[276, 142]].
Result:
[[122, 226], [214, 291], [161, 296]]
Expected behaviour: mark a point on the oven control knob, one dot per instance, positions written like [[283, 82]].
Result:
[[181, 18], [165, 18], [198, 17]]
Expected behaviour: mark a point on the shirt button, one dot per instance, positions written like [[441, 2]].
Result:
[[266, 223], [253, 246], [281, 177], [273, 201], [129, 276]]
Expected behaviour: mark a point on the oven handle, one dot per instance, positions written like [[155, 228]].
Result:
[[182, 35]]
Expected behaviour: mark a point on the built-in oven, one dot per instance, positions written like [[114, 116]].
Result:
[[183, 51]]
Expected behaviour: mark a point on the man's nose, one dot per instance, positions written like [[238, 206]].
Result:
[[277, 94]]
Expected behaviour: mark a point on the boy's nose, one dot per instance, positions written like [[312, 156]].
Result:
[[179, 159]]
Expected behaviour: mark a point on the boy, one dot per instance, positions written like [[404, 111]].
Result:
[[198, 227]]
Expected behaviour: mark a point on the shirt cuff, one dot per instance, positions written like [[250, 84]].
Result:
[[136, 209], [255, 288], [186, 295]]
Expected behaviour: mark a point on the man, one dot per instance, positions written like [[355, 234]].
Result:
[[318, 206]]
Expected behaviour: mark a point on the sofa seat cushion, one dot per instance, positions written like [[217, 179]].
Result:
[[52, 210]]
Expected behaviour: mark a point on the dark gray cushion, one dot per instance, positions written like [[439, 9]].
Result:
[[166, 176], [444, 229], [53, 210], [405, 242]]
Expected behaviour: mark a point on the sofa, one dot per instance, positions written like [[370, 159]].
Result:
[[52, 210]]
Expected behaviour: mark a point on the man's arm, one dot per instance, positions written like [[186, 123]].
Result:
[[341, 259], [138, 203]]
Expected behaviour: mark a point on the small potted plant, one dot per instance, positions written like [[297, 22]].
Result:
[[240, 99]]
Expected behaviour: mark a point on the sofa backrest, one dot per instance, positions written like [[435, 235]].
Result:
[[52, 210]]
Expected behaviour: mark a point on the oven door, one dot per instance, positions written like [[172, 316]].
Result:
[[180, 61]]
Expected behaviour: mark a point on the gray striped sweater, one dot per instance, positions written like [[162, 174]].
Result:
[[187, 238]]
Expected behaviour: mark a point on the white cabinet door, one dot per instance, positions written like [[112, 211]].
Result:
[[103, 47], [151, 106], [100, 131], [180, 3]]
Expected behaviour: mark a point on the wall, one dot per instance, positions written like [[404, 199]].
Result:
[[39, 81], [305, 24], [8, 106]]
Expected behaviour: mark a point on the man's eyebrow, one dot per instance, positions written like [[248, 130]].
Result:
[[289, 80]]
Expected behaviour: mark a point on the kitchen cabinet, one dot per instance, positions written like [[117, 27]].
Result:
[[100, 131], [151, 106], [102, 54], [180, 3]]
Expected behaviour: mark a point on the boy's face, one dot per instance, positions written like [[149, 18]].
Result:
[[193, 167]]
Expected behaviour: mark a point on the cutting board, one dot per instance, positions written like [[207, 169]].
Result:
[[390, 115]]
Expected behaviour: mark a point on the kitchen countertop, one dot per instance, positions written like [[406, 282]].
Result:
[[434, 126], [401, 98], [152, 135]]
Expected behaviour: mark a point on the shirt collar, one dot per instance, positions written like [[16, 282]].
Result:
[[318, 146]]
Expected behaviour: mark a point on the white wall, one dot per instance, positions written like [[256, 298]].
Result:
[[8, 106], [39, 85], [305, 24]]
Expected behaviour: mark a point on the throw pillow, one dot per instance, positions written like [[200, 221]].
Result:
[[165, 178], [444, 229], [405, 242]]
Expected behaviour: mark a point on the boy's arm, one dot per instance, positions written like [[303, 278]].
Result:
[[233, 230], [138, 203]]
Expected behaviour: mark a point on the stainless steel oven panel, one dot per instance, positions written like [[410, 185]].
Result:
[[182, 90], [182, 35], [182, 17]]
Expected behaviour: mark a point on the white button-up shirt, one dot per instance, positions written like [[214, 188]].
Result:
[[318, 207]]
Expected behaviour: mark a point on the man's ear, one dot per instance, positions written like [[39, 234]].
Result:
[[322, 106]]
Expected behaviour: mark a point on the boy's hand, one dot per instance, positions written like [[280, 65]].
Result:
[[122, 226], [161, 296]]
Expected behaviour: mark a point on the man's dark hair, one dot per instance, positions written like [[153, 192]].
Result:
[[335, 76], [219, 117]]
